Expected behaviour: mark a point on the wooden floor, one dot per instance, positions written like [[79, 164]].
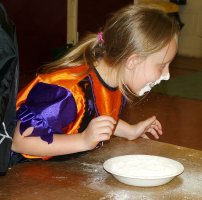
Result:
[[181, 118]]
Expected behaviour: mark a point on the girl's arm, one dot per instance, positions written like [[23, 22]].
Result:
[[131, 132], [62, 144], [99, 129]]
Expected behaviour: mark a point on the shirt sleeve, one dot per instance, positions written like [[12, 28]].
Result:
[[48, 108]]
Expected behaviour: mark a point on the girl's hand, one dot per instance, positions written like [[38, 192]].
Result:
[[99, 129], [150, 125]]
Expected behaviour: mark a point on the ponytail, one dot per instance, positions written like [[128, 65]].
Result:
[[86, 52]]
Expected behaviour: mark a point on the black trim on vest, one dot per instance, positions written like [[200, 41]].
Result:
[[89, 113]]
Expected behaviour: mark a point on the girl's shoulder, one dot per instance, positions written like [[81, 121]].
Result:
[[66, 77]]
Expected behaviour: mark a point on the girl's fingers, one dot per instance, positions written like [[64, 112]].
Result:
[[148, 122], [105, 124], [157, 123], [106, 118], [160, 132], [105, 130], [104, 137], [153, 132]]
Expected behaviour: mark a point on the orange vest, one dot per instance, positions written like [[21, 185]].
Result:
[[108, 101]]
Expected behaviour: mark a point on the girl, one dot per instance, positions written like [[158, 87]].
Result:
[[76, 101]]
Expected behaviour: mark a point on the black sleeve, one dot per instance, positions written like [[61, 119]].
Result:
[[8, 86]]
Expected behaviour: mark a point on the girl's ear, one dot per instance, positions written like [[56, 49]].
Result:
[[132, 61]]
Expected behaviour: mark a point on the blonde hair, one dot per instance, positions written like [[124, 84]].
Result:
[[134, 29]]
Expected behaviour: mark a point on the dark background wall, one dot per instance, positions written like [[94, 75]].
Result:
[[41, 27], [92, 14]]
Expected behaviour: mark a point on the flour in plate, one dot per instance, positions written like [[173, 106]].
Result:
[[141, 167]]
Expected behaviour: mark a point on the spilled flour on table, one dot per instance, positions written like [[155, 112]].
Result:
[[97, 173], [103, 182], [98, 181]]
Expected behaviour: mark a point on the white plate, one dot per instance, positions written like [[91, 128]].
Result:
[[143, 170]]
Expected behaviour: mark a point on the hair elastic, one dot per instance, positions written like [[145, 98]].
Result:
[[100, 37]]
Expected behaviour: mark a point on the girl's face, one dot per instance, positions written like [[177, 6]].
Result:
[[141, 76]]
